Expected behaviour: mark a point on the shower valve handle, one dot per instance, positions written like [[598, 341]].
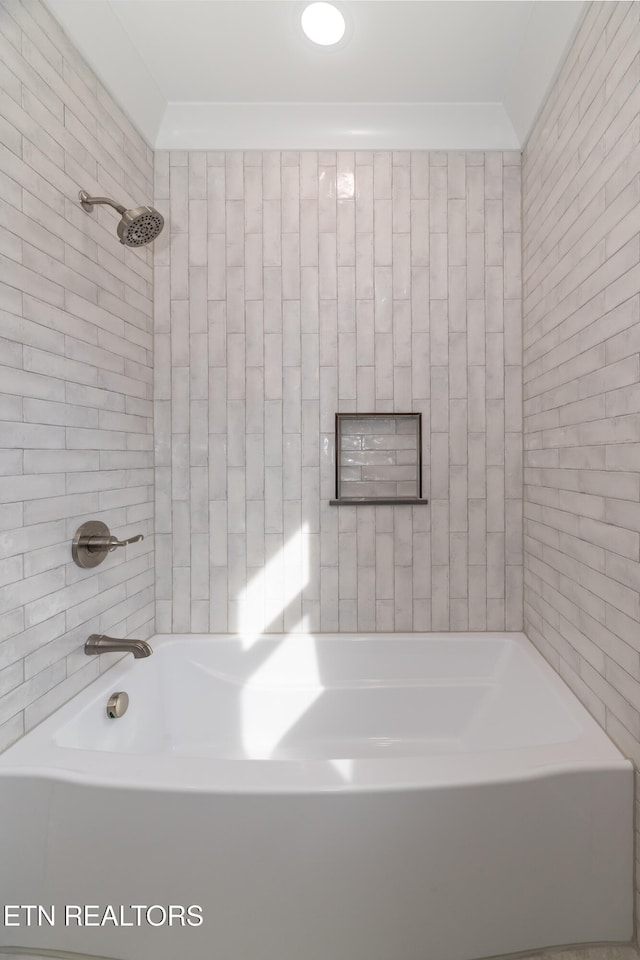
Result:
[[107, 543], [93, 541]]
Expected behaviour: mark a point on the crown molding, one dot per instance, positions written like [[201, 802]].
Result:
[[336, 126]]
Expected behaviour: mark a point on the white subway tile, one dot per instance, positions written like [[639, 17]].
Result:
[[571, 290], [340, 334]]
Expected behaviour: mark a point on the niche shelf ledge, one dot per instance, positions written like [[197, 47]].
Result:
[[380, 502]]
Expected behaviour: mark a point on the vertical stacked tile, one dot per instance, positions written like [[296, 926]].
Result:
[[75, 369], [581, 210], [296, 285]]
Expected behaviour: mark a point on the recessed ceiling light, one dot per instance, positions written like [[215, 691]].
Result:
[[323, 23]]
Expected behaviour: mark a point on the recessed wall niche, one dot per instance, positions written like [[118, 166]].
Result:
[[378, 458]]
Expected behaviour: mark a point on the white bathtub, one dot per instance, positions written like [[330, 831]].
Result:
[[398, 797]]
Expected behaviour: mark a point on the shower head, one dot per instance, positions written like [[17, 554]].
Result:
[[137, 227]]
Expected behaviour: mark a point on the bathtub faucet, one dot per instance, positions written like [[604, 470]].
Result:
[[98, 643]]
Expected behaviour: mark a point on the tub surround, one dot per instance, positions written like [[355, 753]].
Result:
[[75, 370], [289, 287], [581, 255]]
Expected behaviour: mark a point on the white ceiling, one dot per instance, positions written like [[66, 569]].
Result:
[[224, 74]]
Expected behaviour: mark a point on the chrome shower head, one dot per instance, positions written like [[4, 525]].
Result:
[[140, 226], [137, 227]]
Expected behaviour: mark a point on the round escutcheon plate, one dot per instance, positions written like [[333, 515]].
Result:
[[81, 550]]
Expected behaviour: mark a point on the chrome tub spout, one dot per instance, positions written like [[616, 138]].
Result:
[[98, 643]]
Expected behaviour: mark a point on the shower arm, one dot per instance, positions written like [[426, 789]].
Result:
[[87, 202]]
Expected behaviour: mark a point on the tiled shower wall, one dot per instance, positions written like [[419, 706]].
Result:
[[581, 217], [75, 369], [290, 286]]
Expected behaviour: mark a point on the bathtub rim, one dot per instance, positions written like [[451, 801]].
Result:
[[36, 755]]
